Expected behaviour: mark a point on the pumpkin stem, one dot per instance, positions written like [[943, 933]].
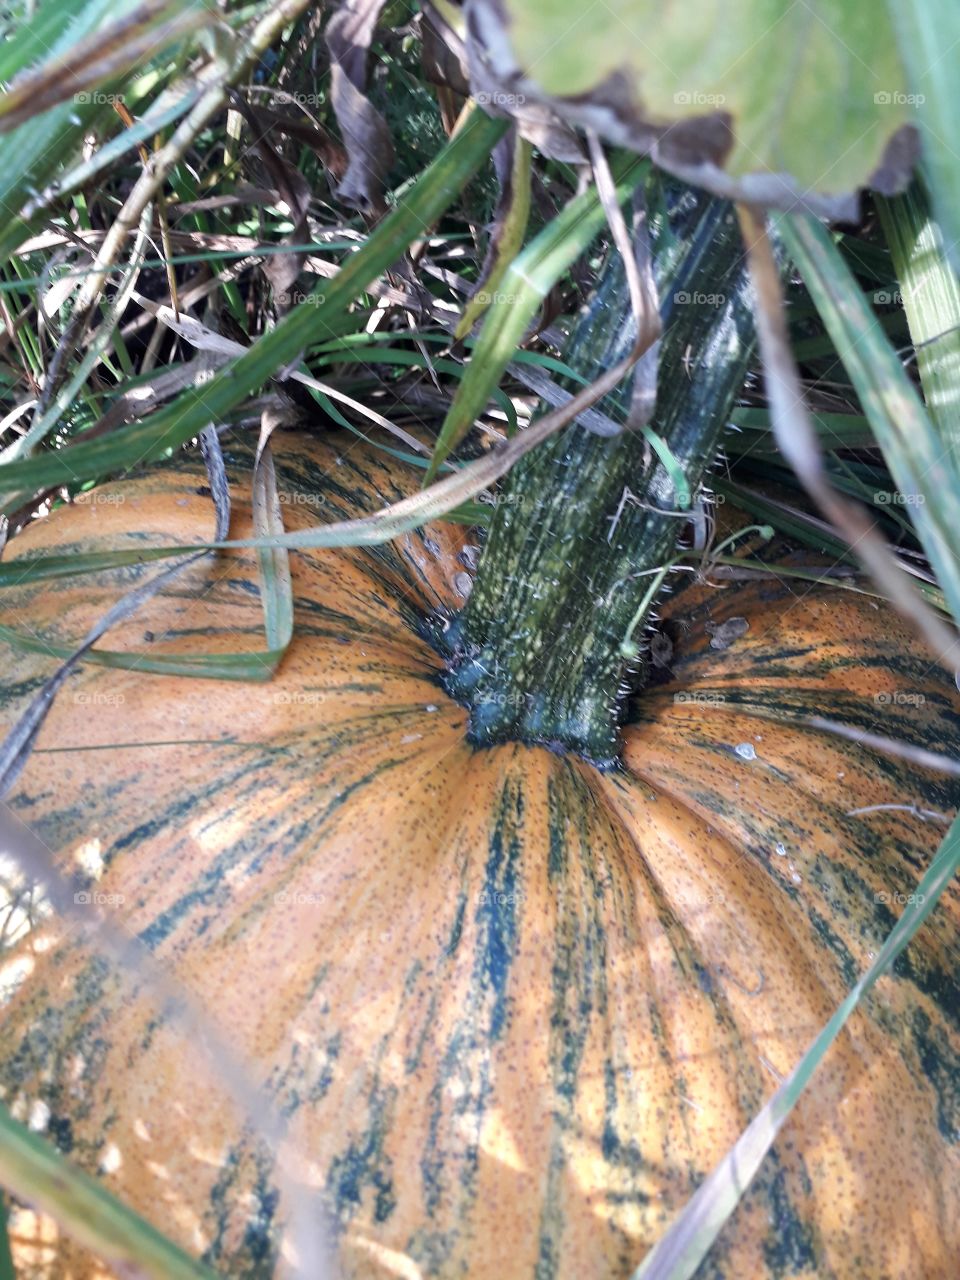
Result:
[[586, 527]]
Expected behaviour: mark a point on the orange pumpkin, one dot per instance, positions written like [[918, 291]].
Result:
[[514, 1006]]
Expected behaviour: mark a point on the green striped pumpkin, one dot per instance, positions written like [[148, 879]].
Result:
[[515, 1007]]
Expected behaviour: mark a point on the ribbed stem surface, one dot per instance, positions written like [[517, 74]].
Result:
[[583, 522]]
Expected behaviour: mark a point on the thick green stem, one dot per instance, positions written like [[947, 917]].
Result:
[[585, 524]]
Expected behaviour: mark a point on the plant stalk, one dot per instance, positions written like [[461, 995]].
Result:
[[545, 647]]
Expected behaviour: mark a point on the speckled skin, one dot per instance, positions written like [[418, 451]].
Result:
[[515, 1008]]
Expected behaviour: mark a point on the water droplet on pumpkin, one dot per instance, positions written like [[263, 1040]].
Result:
[[781, 850], [431, 706], [746, 750]]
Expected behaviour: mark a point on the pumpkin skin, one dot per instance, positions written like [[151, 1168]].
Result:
[[515, 1008]]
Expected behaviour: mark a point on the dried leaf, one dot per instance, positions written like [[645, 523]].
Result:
[[281, 269], [536, 121], [365, 133], [443, 55], [311, 133]]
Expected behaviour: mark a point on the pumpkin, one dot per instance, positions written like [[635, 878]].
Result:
[[515, 1006]]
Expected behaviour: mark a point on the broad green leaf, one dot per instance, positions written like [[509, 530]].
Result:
[[814, 90]]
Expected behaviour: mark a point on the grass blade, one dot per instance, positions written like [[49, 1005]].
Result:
[[277, 584], [836, 431], [800, 446], [524, 285], [903, 429], [365, 531], [35, 1172], [930, 293], [257, 666], [36, 151], [158, 435], [506, 239]]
